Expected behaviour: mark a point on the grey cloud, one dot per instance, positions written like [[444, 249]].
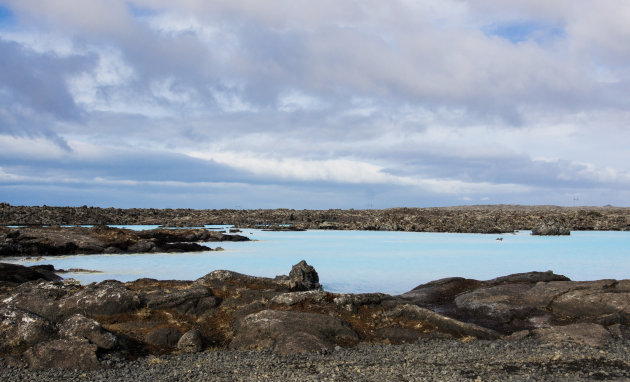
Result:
[[38, 80]]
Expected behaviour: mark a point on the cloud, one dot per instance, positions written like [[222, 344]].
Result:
[[450, 101]]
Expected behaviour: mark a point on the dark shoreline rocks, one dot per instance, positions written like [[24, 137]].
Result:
[[55, 240], [41, 322], [465, 219]]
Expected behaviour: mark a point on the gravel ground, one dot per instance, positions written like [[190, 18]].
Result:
[[427, 360]]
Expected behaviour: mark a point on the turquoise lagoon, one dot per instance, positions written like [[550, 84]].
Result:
[[374, 261]]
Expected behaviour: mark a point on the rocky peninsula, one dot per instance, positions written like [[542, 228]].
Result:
[[465, 219], [56, 240]]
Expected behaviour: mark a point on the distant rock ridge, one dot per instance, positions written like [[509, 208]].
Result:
[[469, 219], [55, 324]]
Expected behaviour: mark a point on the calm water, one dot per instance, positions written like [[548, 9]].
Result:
[[366, 261]]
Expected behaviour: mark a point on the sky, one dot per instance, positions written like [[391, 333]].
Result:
[[314, 104]]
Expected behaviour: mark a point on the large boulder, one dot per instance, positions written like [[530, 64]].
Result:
[[303, 277], [190, 342], [443, 324], [163, 337], [79, 326], [19, 327], [603, 301], [292, 332], [62, 353], [100, 299], [501, 307], [39, 297]]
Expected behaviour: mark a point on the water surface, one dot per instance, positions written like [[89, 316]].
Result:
[[369, 261]]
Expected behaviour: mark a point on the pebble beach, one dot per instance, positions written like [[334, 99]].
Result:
[[426, 360]]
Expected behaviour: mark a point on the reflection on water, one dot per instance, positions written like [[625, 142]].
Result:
[[367, 261]]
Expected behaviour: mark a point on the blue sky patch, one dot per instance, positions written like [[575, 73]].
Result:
[[6, 16], [526, 30], [137, 11]]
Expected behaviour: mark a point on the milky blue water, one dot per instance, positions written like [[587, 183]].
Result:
[[368, 261]]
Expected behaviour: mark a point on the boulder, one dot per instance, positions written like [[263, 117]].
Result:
[[443, 324], [603, 301], [190, 342], [195, 301], [79, 326], [303, 277], [440, 292], [62, 353], [39, 297], [163, 337], [106, 298], [292, 332], [501, 307], [582, 333], [20, 327]]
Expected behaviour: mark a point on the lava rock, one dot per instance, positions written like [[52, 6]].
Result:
[[163, 337], [292, 332], [304, 277], [190, 342], [63, 353], [79, 326]]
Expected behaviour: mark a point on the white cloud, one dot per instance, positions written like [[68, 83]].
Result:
[[446, 97]]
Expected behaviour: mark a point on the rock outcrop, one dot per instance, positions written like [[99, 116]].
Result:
[[52, 241], [15, 273], [55, 324], [538, 304], [304, 277]]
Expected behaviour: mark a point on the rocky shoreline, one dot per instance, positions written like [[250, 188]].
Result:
[[469, 219], [230, 326]]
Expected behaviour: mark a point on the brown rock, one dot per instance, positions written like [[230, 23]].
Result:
[[292, 332], [303, 277], [163, 337], [583, 333], [440, 291], [20, 327], [190, 342], [63, 353], [19, 274], [79, 326]]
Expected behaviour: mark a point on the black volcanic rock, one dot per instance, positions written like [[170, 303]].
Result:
[[292, 332], [54, 240], [304, 277], [63, 324], [18, 273]]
